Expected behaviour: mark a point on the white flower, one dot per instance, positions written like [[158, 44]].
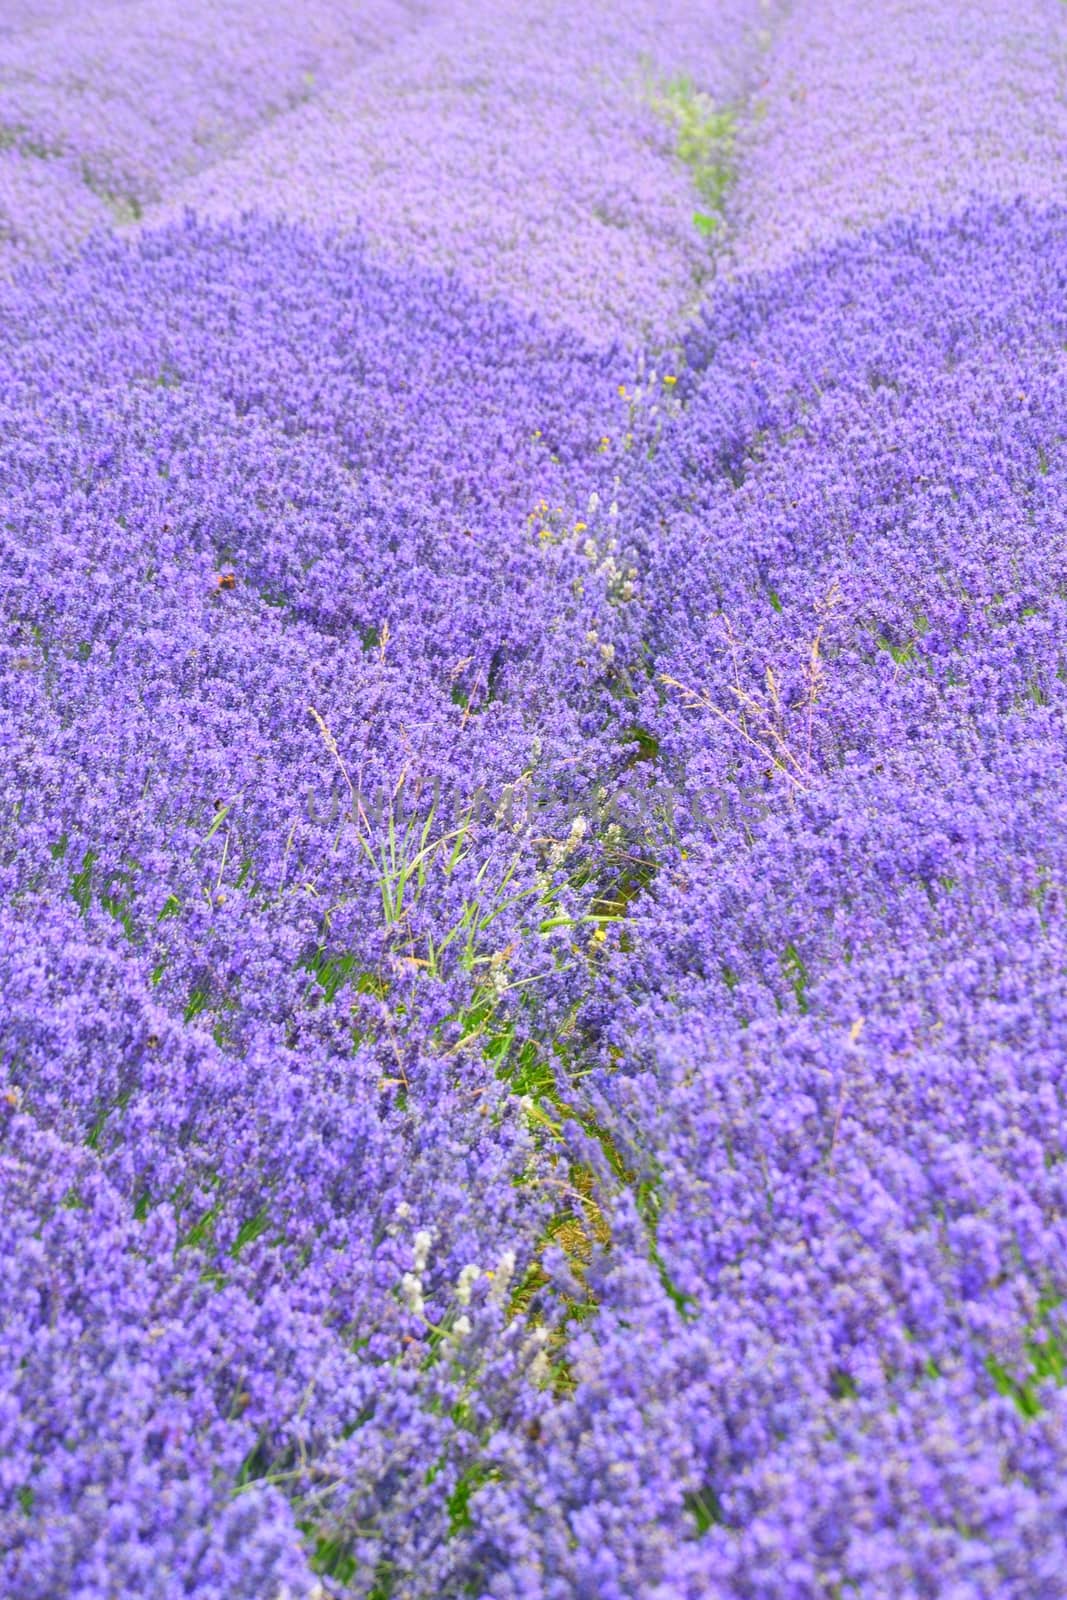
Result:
[[502, 1277], [461, 1327], [423, 1241], [468, 1277], [411, 1289], [540, 1370], [565, 847], [535, 1340]]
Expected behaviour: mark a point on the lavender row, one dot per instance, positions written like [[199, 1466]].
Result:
[[817, 1083], [898, 109], [287, 521], [104, 111], [828, 1354], [551, 155]]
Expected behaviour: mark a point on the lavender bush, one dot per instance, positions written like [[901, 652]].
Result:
[[533, 847]]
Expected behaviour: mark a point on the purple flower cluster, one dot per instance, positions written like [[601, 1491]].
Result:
[[21, 15], [109, 107], [902, 107], [532, 874]]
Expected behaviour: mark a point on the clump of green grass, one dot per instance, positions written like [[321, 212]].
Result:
[[1046, 1359], [704, 139]]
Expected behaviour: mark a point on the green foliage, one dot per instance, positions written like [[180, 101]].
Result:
[[121, 910], [647, 743], [330, 972], [704, 139], [796, 975], [202, 1231], [333, 1558], [705, 1507], [902, 653], [81, 885], [458, 1502], [250, 1231], [1046, 1355], [196, 1003]]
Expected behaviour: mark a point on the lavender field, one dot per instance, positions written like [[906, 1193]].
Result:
[[533, 737]]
